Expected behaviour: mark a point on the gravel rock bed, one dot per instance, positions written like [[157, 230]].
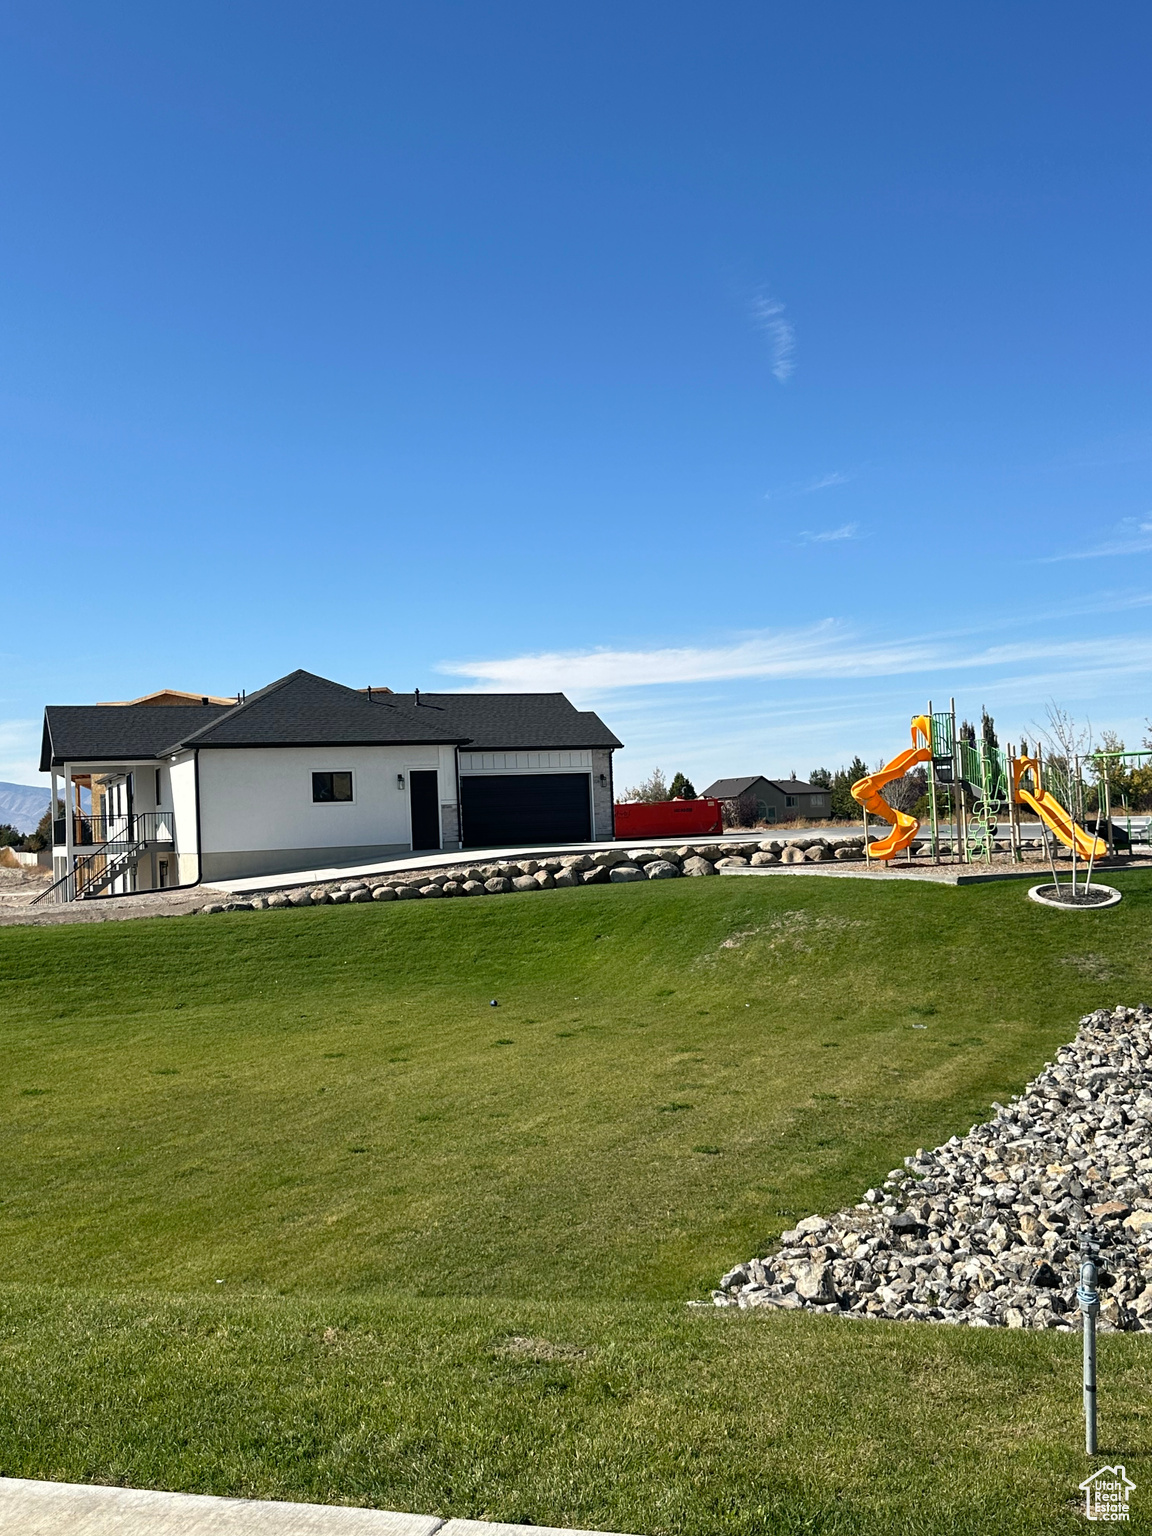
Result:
[[986, 1230]]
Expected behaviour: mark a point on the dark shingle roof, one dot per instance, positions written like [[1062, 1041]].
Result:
[[305, 710], [112, 732], [732, 789], [497, 722]]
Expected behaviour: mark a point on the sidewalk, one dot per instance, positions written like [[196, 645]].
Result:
[[31, 1508]]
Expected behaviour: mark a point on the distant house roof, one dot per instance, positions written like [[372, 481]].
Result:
[[172, 696], [732, 789], [303, 710]]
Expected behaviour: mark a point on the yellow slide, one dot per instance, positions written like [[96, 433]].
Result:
[[866, 792], [1052, 813]]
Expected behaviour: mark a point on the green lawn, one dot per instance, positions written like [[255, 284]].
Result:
[[455, 1240]]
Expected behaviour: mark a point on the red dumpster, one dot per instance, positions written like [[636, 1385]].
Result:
[[669, 818]]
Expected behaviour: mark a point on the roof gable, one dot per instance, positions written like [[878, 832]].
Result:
[[732, 789], [118, 732], [303, 710]]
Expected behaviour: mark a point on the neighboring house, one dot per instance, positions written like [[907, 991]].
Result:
[[307, 773], [776, 799]]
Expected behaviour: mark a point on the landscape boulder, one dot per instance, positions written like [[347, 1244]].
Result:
[[661, 869], [623, 874], [607, 857], [697, 866]]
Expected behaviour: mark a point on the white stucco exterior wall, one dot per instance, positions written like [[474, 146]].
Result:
[[257, 811], [181, 776]]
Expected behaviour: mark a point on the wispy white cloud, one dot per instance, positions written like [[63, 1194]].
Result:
[[806, 487], [824, 481], [822, 651], [768, 316], [1135, 539], [830, 535]]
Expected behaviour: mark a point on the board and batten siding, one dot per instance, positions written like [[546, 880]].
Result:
[[594, 761], [526, 762]]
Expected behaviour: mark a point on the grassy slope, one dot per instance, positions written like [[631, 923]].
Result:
[[316, 1107]]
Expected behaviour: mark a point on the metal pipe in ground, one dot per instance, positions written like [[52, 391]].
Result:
[[1088, 1297]]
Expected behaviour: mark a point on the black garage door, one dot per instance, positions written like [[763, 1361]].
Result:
[[526, 808]]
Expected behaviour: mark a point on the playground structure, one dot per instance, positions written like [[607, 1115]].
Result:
[[974, 785]]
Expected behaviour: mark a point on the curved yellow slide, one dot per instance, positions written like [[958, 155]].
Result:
[[866, 792], [1052, 813]]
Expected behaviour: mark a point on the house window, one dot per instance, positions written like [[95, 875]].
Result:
[[817, 800], [790, 801], [771, 816], [157, 789], [327, 787]]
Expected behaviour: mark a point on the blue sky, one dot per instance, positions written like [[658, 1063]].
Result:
[[753, 373]]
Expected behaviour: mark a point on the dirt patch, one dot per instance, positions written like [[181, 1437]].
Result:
[[539, 1349], [790, 933], [20, 887]]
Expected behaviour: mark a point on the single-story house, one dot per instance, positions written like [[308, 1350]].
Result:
[[776, 799], [308, 773]]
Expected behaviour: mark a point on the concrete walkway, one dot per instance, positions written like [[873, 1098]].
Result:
[[30, 1508], [785, 832], [938, 874], [475, 856]]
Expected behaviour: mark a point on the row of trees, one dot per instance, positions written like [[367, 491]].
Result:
[[1064, 739], [654, 789], [30, 842]]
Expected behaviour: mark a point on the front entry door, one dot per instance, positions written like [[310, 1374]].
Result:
[[424, 792]]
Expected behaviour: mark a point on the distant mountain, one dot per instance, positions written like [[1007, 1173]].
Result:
[[22, 805]]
